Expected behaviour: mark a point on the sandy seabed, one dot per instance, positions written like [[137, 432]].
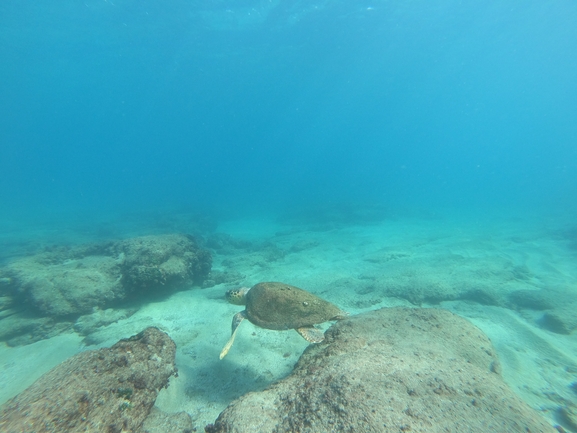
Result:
[[359, 267]]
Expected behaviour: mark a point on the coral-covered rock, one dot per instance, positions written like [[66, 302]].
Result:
[[110, 390], [391, 370]]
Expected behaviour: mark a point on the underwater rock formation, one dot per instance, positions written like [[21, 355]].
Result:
[[109, 390], [390, 370], [61, 286], [435, 279], [164, 261], [69, 282], [161, 422]]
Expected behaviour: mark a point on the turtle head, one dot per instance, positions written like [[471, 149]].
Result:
[[237, 296]]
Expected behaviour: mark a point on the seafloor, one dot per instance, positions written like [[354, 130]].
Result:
[[515, 277]]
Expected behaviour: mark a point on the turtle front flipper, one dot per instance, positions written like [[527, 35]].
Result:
[[238, 317], [311, 334]]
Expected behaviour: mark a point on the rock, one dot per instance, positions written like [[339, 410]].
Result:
[[390, 370], [226, 244], [222, 277], [66, 282], [403, 273], [161, 422], [496, 281], [110, 390], [71, 282], [25, 328], [150, 262], [69, 287]]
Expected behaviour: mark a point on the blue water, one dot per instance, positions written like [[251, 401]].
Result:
[[237, 107], [447, 122]]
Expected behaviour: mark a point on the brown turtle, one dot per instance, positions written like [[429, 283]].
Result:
[[280, 306]]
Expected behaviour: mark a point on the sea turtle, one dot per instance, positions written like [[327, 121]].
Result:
[[280, 306]]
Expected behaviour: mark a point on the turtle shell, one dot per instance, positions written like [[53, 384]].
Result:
[[281, 306]]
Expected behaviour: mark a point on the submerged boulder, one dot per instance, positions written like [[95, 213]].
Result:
[[110, 390], [390, 370], [161, 261], [66, 282]]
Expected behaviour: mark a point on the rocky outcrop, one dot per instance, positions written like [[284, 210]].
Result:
[[431, 278], [391, 370], [165, 261], [66, 282], [72, 281], [111, 390]]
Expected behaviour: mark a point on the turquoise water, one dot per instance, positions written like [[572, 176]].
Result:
[[367, 145], [244, 107]]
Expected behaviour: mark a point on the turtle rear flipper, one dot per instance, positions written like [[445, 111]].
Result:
[[311, 334], [236, 320]]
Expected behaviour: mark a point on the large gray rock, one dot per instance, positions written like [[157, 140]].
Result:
[[72, 281], [161, 261], [64, 283], [108, 390], [391, 370]]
